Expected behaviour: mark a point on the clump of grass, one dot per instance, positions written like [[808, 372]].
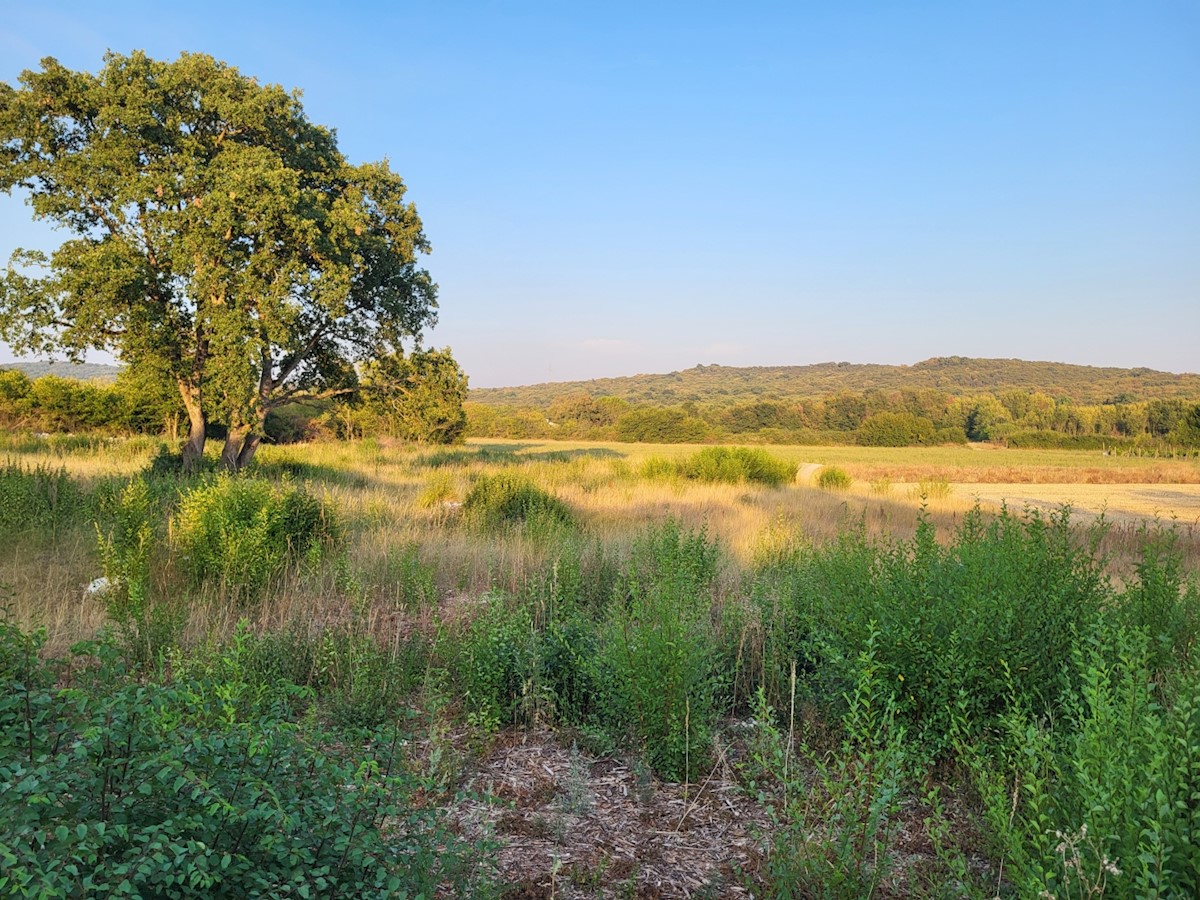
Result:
[[243, 531], [659, 468], [441, 488], [881, 487], [831, 478], [506, 498]]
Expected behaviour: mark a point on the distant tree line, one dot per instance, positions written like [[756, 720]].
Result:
[[900, 418]]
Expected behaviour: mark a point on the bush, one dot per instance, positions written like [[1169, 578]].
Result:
[[145, 625], [194, 788], [39, 498], [241, 532], [831, 478], [1107, 795], [736, 465], [661, 425], [963, 629], [510, 499]]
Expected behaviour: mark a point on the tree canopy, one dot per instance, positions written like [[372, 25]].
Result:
[[219, 238]]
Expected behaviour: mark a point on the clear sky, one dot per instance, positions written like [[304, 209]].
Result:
[[614, 187]]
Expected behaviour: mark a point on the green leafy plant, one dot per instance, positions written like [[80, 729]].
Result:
[[118, 787], [146, 625], [658, 657], [241, 532], [737, 465], [38, 498]]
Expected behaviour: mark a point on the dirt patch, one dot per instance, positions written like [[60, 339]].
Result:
[[571, 826]]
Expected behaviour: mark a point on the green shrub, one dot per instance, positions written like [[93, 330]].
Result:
[[115, 787], [1104, 798], [241, 532], [496, 661], [964, 628], [506, 498], [895, 429], [661, 425], [658, 659], [658, 468], [831, 478], [737, 465], [840, 809], [147, 626], [38, 498]]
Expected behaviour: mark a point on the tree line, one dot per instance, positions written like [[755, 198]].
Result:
[[1017, 418]]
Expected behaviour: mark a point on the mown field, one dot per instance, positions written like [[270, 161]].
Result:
[[549, 669]]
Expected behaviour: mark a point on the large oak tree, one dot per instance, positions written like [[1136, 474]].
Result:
[[218, 238]]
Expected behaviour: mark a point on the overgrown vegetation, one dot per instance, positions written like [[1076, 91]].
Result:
[[991, 688], [240, 532]]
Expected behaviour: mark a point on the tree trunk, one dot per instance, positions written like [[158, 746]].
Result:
[[193, 448], [242, 442], [249, 446], [235, 440]]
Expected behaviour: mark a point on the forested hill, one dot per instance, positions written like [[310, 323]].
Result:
[[80, 371], [954, 375]]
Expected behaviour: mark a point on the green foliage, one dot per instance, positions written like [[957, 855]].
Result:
[[661, 425], [199, 786], [658, 656], [1104, 799], [219, 239], [735, 465], [497, 665], [507, 498], [895, 429], [147, 626], [961, 626], [241, 532], [840, 807], [832, 478], [40, 498], [418, 397]]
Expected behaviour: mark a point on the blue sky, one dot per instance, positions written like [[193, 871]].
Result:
[[614, 188]]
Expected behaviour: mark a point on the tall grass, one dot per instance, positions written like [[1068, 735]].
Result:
[[888, 656]]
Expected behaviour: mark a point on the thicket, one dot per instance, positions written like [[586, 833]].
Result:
[[240, 532], [509, 498]]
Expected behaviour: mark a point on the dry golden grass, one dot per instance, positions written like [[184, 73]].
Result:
[[396, 500]]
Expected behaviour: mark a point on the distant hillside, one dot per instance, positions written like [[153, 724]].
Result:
[[80, 371], [955, 375]]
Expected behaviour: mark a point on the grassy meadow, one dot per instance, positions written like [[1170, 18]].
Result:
[[555, 669]]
